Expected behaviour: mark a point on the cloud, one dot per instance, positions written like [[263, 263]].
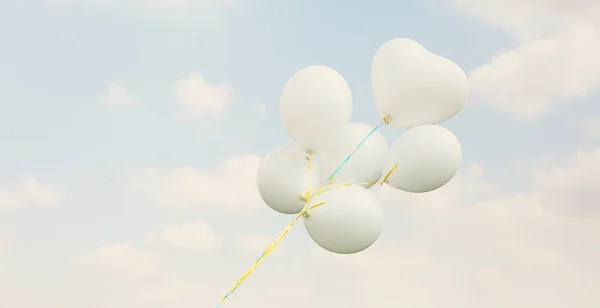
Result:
[[180, 5], [260, 110], [554, 61], [200, 102], [231, 187], [591, 126], [164, 6], [255, 244], [196, 235], [528, 19], [465, 245], [5, 243], [124, 276], [467, 182], [573, 190], [540, 73], [29, 192], [6, 246], [502, 251], [119, 97], [118, 258], [104, 278]]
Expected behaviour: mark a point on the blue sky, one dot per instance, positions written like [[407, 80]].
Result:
[[57, 63]]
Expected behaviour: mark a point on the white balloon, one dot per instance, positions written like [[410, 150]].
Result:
[[428, 156], [350, 221], [367, 162], [283, 179], [316, 99], [413, 86]]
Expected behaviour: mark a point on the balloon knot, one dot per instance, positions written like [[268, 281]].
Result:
[[304, 214], [305, 197], [386, 121]]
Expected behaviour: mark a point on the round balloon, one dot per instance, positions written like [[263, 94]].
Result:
[[349, 221], [316, 99], [413, 86], [365, 165], [284, 178], [428, 156]]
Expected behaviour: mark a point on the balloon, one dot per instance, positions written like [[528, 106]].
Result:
[[350, 221], [413, 86], [283, 179], [316, 99], [367, 162], [428, 156]]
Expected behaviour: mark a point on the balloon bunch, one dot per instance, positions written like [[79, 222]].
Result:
[[324, 177]]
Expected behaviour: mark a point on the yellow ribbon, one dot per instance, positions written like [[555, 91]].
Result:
[[303, 213]]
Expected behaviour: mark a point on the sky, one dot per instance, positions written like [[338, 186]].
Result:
[[131, 132]]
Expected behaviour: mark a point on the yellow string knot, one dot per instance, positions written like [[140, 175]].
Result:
[[305, 197]]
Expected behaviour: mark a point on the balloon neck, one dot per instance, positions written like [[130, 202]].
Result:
[[305, 214], [386, 120]]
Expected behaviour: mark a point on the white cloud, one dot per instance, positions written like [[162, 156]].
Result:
[[121, 276], [5, 243], [528, 19], [555, 59], [260, 110], [119, 97], [9, 199], [529, 79], [255, 244], [29, 192], [467, 182], [231, 187], [200, 102], [573, 190], [197, 235], [591, 126], [465, 245], [165, 6], [6, 246], [505, 251], [180, 5], [118, 258]]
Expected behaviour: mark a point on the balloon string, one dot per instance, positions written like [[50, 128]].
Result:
[[257, 262], [274, 244], [384, 180], [349, 156], [308, 176], [303, 212]]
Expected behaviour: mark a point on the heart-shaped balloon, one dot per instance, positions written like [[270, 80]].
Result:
[[413, 86]]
